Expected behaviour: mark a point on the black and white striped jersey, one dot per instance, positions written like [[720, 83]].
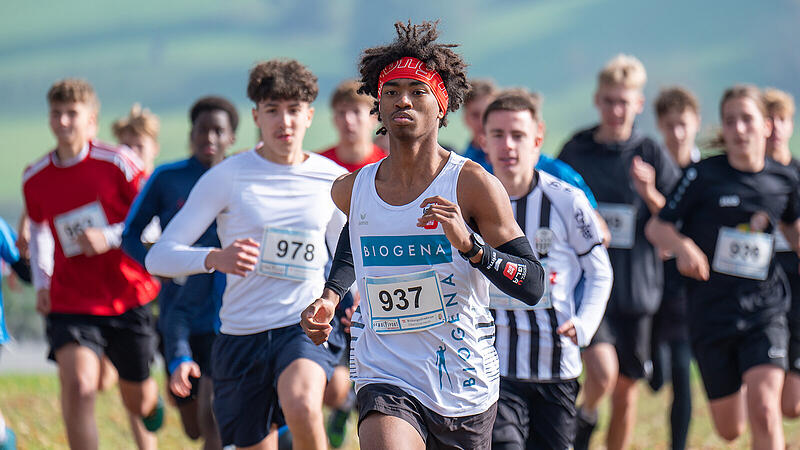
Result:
[[563, 229]]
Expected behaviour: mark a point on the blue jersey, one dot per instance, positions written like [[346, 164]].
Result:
[[477, 154], [10, 254], [189, 306], [554, 167], [566, 173]]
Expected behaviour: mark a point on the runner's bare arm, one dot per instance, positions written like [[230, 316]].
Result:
[[691, 261], [342, 190], [506, 258], [315, 319]]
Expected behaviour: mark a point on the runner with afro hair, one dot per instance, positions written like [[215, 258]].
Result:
[[417, 41], [422, 340]]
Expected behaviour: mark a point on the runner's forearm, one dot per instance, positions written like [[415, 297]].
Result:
[[514, 269], [597, 288], [342, 273]]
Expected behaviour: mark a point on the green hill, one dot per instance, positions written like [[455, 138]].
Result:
[[166, 54]]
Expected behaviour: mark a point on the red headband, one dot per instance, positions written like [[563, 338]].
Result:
[[414, 69]]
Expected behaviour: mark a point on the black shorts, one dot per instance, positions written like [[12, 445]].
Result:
[[793, 323], [128, 339], [201, 345], [245, 370], [794, 349], [630, 335], [438, 432], [535, 415], [788, 262], [723, 359]]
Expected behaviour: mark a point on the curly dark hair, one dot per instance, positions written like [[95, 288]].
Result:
[[282, 79], [417, 41], [213, 103]]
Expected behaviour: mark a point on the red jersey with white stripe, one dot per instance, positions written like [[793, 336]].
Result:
[[96, 189], [376, 155]]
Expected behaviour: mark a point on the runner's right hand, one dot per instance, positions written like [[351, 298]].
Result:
[[43, 301], [316, 319], [179, 382], [239, 258], [692, 262]]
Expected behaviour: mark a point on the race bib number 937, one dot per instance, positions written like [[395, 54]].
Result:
[[405, 303]]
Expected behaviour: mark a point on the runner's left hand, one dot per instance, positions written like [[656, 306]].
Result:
[[643, 176], [449, 217], [93, 242], [179, 382]]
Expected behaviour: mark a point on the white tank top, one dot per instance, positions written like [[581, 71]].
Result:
[[423, 323]]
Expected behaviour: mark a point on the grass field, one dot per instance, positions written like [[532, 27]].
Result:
[[30, 404]]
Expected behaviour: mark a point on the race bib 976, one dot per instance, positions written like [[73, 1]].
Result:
[[743, 254]]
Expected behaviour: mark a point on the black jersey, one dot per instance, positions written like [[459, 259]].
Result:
[[790, 264], [715, 204], [638, 271]]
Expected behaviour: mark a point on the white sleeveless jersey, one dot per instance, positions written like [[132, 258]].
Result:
[[451, 368], [286, 208], [563, 231]]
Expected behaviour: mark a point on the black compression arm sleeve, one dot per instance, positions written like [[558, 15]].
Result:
[[514, 269], [23, 269], [342, 273]]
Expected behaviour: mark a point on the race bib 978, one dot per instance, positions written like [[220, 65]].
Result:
[[291, 254]]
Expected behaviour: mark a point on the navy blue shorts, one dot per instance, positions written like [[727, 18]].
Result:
[[245, 370]]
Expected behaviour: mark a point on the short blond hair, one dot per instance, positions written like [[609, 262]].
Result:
[[779, 102], [347, 92], [73, 90], [139, 122], [625, 70]]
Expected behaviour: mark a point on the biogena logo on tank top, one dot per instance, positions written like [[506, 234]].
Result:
[[406, 250]]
